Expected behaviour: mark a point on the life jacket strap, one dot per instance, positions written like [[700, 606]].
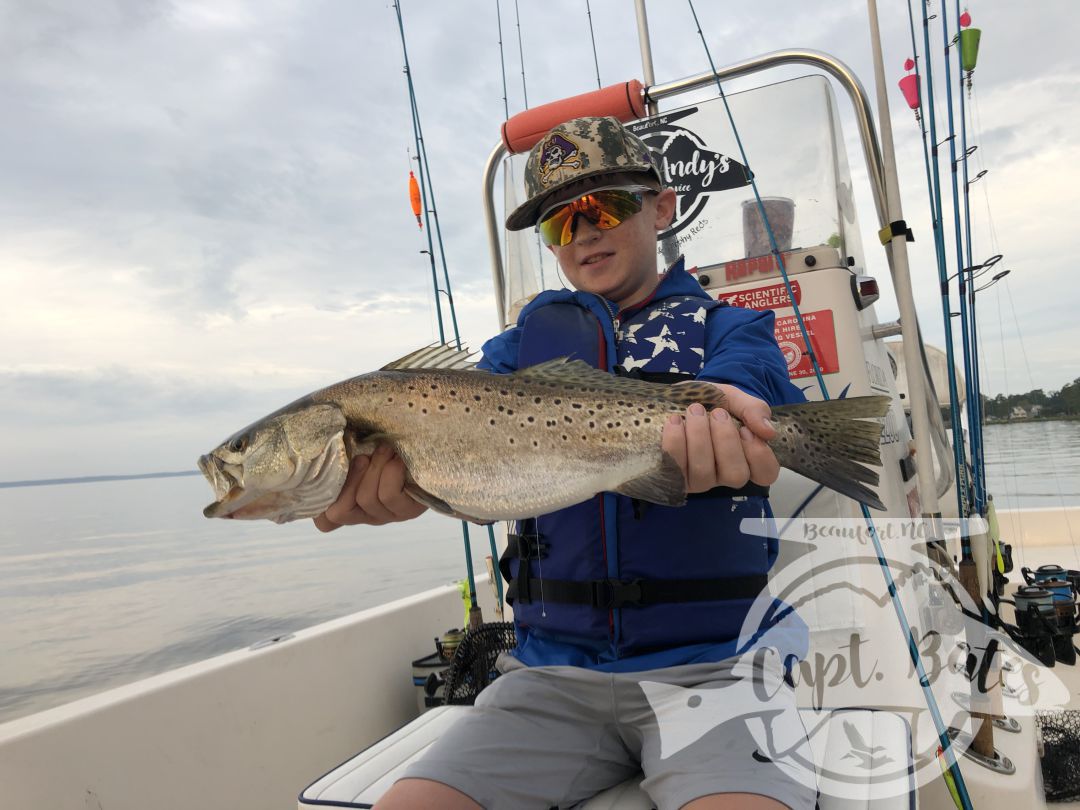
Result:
[[607, 594]]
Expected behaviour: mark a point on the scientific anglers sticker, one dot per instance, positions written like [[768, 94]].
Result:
[[689, 166]]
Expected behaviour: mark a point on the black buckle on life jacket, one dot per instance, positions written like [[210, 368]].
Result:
[[528, 546], [615, 593]]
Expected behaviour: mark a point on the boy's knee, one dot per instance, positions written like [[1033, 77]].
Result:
[[412, 794]]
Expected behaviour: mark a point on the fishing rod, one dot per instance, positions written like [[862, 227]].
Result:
[[957, 785], [959, 459], [475, 617], [975, 421], [962, 269], [423, 188], [592, 36]]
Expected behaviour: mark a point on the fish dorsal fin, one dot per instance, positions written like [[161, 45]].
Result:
[[437, 355], [577, 372]]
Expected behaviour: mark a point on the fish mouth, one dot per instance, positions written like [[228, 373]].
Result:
[[227, 488]]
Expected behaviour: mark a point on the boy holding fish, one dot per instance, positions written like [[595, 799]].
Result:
[[630, 615]]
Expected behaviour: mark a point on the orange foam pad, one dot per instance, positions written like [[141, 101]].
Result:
[[624, 101]]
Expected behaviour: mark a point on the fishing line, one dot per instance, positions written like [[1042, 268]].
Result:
[[961, 796], [1017, 513], [1046, 433]]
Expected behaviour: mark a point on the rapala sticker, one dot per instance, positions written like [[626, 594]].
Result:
[[775, 296], [819, 327]]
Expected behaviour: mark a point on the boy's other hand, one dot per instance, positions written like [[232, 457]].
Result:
[[373, 494], [712, 451]]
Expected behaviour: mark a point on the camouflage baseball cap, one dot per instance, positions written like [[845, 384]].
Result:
[[574, 151]]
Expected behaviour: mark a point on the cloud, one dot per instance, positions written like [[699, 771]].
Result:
[[212, 196]]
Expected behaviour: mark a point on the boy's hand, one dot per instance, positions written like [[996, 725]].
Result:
[[373, 494], [712, 451]]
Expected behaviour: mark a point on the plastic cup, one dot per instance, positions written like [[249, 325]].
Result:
[[781, 214]]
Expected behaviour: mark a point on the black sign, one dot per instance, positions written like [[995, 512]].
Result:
[[688, 166]]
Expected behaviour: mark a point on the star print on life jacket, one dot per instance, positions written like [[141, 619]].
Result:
[[663, 342], [658, 339], [628, 333], [698, 316]]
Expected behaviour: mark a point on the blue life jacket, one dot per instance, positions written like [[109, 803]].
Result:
[[621, 578]]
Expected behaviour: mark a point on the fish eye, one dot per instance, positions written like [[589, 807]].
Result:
[[238, 444]]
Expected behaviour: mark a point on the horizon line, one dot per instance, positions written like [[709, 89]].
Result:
[[90, 479]]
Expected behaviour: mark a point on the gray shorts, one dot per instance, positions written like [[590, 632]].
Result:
[[555, 736]]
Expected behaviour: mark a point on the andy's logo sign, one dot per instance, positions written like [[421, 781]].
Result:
[[689, 166]]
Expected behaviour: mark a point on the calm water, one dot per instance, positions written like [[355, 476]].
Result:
[[105, 583]]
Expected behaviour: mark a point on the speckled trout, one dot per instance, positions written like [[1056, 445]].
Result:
[[486, 447]]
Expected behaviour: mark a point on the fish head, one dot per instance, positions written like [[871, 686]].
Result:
[[290, 465]]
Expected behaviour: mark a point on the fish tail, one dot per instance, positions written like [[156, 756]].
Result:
[[831, 442]]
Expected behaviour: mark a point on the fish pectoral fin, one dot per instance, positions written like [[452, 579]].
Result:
[[424, 497], [365, 444], [665, 485]]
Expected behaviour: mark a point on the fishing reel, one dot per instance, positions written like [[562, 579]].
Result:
[[1046, 618]]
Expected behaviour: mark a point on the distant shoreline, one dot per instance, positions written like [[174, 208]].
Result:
[[1061, 417], [93, 479]]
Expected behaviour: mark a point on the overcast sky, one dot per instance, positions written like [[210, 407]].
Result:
[[204, 212]]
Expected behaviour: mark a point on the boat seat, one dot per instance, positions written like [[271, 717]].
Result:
[[836, 739]]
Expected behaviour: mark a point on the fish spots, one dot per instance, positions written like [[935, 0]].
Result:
[[389, 399], [453, 393], [536, 443], [476, 397], [647, 420], [576, 406], [530, 419], [557, 401], [551, 423], [592, 424], [537, 400], [442, 407], [412, 404], [511, 440], [434, 387], [423, 410], [565, 437], [502, 408], [491, 422], [468, 409], [568, 420]]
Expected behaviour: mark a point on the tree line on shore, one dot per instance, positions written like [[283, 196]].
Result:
[[1035, 403]]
